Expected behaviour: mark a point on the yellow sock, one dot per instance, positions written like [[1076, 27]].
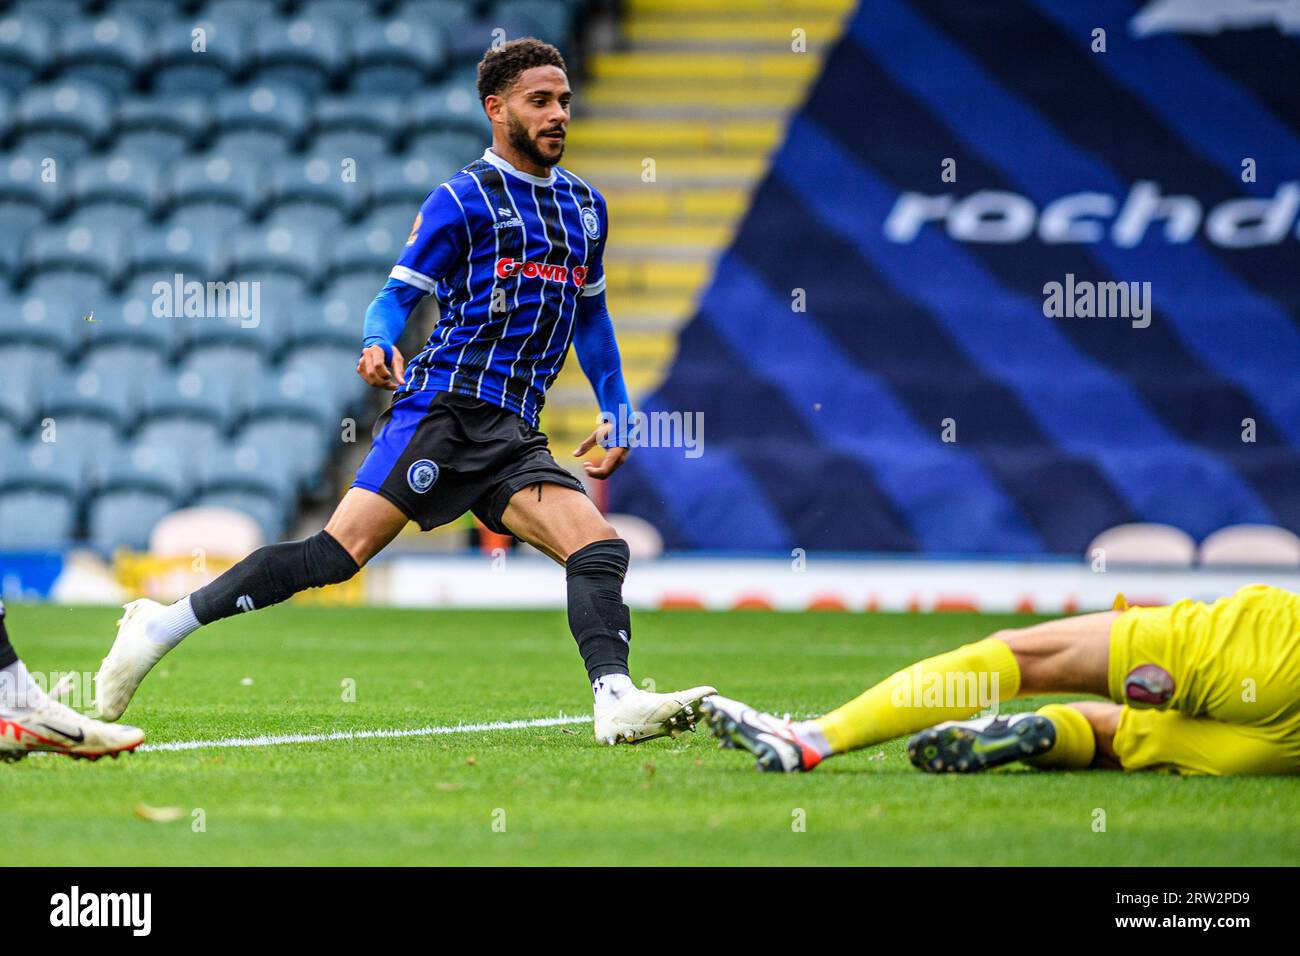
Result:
[[1075, 741], [951, 686]]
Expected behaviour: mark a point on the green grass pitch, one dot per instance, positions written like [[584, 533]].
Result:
[[551, 795]]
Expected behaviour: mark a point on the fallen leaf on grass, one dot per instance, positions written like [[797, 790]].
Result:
[[158, 814]]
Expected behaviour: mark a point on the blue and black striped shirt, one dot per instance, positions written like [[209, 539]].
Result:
[[507, 255]]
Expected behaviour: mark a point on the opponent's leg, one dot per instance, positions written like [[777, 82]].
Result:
[[30, 720], [1070, 654], [564, 524], [361, 526]]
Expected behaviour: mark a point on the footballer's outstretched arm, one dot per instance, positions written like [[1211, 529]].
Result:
[[597, 348], [381, 363], [438, 242]]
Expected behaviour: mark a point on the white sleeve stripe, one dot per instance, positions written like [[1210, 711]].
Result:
[[411, 277], [595, 288]]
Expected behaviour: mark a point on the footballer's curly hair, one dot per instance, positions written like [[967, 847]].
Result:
[[501, 66]]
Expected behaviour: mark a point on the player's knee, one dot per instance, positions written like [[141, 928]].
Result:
[[327, 560], [600, 556]]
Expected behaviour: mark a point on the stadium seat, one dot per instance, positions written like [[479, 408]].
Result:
[[63, 120], [38, 319], [24, 203], [545, 19], [130, 320], [164, 250], [1251, 545], [90, 398], [305, 53], [35, 517], [471, 39], [395, 57], [333, 369], [217, 190], [451, 107], [1144, 544], [219, 532], [450, 15], [326, 320], [26, 364], [161, 127], [276, 295], [90, 249], [346, 13], [459, 146], [57, 464], [371, 247], [54, 12], [148, 466], [250, 13], [242, 478], [278, 250], [127, 363], [363, 128], [260, 120], [167, 432], [27, 192], [200, 57], [147, 11], [357, 290], [107, 51], [144, 481], [125, 517], [398, 185], [310, 195], [16, 401], [85, 434], [231, 366], [286, 421], [116, 190], [186, 397], [26, 42]]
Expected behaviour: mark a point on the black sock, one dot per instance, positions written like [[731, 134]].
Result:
[[273, 574], [598, 617], [7, 653]]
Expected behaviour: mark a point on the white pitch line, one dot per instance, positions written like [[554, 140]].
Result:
[[276, 740]]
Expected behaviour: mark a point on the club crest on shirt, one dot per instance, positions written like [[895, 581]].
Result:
[[415, 229], [590, 222], [421, 475]]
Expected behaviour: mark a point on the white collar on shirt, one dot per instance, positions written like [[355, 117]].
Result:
[[505, 167]]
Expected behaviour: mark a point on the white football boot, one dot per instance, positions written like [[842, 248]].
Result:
[[56, 728], [131, 657], [638, 715], [771, 739]]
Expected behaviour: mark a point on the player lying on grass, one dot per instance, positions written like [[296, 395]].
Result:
[[31, 720], [512, 248], [1201, 689]]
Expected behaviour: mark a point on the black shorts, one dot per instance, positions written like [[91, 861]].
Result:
[[437, 455]]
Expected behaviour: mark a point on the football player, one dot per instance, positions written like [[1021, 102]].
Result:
[[1193, 687], [512, 247]]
